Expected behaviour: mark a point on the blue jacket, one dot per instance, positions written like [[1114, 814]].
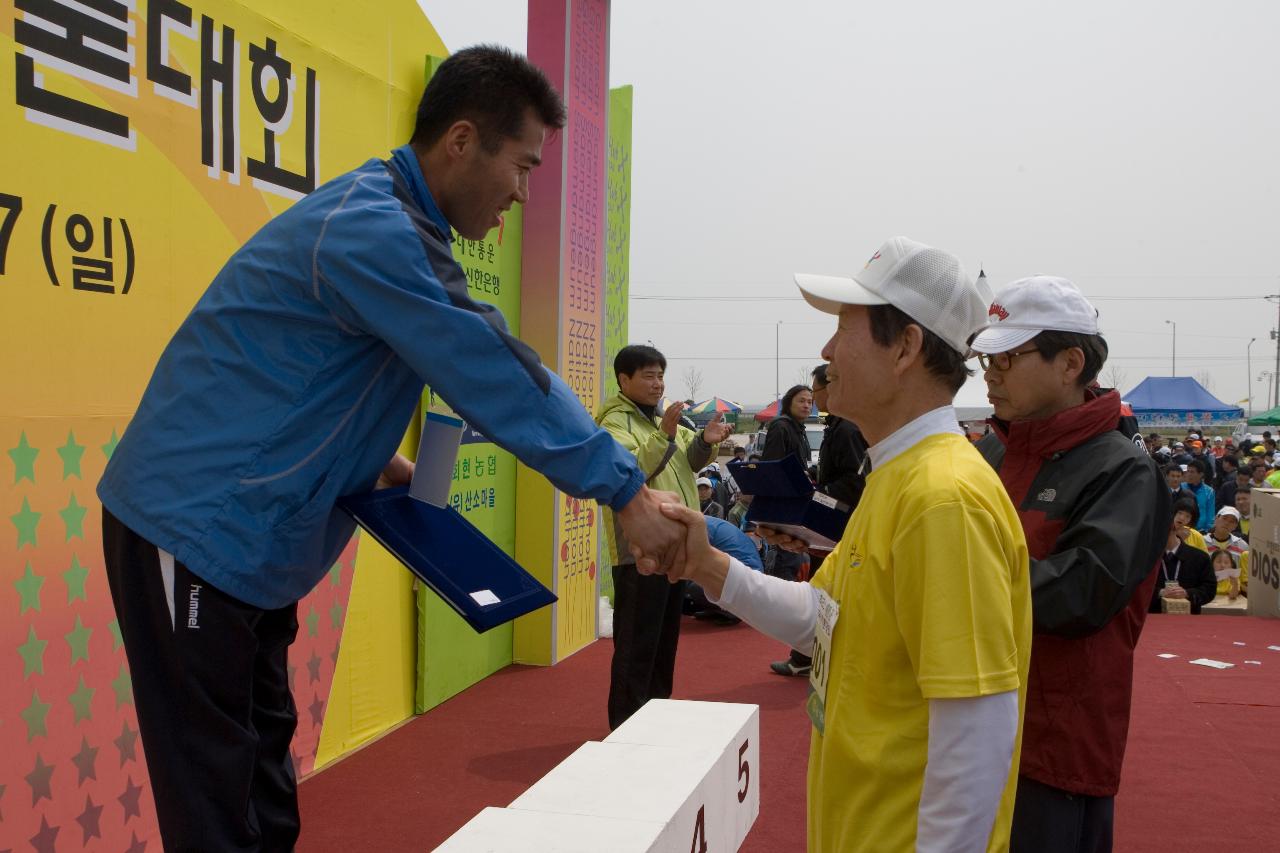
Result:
[[292, 381], [1205, 501], [732, 541]]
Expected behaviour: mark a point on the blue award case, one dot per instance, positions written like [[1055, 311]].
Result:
[[447, 553], [784, 498]]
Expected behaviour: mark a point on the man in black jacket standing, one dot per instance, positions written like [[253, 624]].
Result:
[[1095, 513], [842, 473], [843, 454]]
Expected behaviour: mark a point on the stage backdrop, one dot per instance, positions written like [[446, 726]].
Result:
[[143, 141], [617, 261]]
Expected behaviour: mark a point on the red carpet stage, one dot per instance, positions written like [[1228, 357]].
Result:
[[1203, 760]]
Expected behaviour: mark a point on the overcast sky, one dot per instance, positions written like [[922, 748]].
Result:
[[1131, 147]]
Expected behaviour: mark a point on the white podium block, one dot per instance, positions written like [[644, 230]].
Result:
[[638, 783], [734, 730], [518, 831]]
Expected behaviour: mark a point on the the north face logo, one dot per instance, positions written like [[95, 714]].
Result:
[[1047, 496], [874, 257], [997, 310]]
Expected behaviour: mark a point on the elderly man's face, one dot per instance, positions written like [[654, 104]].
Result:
[[860, 374]]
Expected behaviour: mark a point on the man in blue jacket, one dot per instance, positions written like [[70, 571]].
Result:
[[291, 384], [1193, 481]]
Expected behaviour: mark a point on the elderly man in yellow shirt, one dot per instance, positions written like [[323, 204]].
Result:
[[920, 621]]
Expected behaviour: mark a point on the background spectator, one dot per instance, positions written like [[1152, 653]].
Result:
[[1185, 572]]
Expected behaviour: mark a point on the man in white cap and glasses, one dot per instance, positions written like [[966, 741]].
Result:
[[919, 623], [1096, 514]]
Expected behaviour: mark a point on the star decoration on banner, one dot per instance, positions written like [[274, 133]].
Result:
[[313, 668], [82, 700], [122, 684], [125, 743], [313, 623], [32, 652], [317, 712], [129, 800], [73, 518], [333, 655], [28, 587], [74, 578], [71, 453], [335, 616], [38, 779], [137, 846], [24, 460], [2, 798], [26, 520], [84, 760], [34, 716], [44, 839], [78, 640], [110, 446], [116, 640], [335, 574], [88, 820]]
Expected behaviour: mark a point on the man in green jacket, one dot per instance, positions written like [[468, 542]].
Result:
[[646, 608]]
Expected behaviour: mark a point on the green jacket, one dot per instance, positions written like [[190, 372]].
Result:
[[642, 436]]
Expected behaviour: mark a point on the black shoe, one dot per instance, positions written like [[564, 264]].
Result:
[[786, 667]]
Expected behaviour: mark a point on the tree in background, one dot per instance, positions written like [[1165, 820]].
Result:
[[1114, 377], [693, 380]]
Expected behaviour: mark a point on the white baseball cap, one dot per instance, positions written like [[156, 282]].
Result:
[[703, 481], [1033, 305], [1230, 510], [927, 284]]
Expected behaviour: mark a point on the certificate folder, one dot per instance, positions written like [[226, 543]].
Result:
[[784, 498], [444, 550]]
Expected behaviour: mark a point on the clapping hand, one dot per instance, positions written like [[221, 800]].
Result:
[[716, 431], [671, 419]]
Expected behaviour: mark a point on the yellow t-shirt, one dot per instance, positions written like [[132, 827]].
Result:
[[932, 580], [1196, 539]]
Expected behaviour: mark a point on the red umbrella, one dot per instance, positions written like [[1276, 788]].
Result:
[[770, 413]]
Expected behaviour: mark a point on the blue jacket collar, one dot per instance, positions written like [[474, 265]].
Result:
[[406, 163]]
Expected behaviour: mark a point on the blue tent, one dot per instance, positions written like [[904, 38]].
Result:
[[1166, 401]]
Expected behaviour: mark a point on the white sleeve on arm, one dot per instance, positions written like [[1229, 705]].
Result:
[[970, 751], [784, 610]]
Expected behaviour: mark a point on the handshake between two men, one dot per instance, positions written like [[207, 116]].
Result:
[[669, 538]]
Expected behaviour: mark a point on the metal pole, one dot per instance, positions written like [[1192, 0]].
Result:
[[1173, 363], [1276, 385], [777, 361], [1248, 366]]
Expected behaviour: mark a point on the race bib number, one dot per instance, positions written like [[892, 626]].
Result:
[[820, 671]]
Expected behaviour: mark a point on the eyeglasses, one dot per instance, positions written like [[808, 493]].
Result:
[[1002, 361]]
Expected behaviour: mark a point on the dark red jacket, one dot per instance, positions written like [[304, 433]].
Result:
[[1096, 516]]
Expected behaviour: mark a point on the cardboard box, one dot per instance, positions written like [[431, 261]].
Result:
[[1264, 554], [784, 498]]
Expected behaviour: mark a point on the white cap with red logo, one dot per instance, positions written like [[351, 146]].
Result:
[[1033, 305]]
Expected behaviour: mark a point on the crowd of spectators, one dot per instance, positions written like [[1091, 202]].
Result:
[[1212, 481]]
